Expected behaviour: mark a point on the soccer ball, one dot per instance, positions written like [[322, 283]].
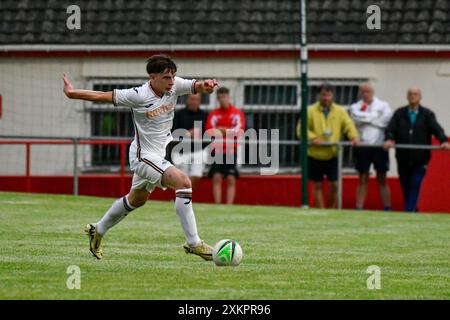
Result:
[[227, 252]]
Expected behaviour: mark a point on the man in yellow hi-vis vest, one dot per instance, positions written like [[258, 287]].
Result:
[[327, 122]]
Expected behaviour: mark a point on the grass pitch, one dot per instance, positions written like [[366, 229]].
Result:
[[289, 253]]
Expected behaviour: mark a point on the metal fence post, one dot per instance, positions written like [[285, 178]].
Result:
[[304, 105], [28, 166], [75, 166], [340, 152]]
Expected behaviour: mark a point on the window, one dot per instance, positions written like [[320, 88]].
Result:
[[276, 104], [110, 124], [272, 95], [266, 104], [282, 94], [109, 121]]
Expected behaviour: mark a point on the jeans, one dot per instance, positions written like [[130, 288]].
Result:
[[411, 178]]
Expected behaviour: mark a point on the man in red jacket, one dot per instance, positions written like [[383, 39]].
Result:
[[225, 121]]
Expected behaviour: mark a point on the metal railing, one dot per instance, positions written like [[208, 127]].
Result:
[[340, 153], [76, 141]]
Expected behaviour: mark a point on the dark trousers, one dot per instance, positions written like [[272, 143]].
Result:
[[411, 178]]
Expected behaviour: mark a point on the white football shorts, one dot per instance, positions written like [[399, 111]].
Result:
[[148, 171]]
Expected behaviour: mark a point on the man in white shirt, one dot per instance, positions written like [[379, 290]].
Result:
[[371, 116], [152, 106]]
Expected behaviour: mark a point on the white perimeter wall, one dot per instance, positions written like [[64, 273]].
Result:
[[34, 104]]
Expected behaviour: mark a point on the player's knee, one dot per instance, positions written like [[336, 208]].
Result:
[[137, 202], [184, 182], [137, 199]]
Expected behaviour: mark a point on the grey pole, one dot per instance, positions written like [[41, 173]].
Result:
[[75, 166], [340, 151]]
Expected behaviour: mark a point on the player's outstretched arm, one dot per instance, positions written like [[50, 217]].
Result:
[[89, 95], [206, 86]]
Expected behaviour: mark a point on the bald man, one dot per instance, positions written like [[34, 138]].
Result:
[[413, 124], [371, 116]]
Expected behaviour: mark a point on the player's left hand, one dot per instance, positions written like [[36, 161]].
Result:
[[445, 145], [209, 85]]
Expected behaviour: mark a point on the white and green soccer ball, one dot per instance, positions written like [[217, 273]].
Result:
[[227, 252]]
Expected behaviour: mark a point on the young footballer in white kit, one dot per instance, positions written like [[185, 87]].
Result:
[[152, 106]]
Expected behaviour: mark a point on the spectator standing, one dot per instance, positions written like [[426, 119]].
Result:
[[223, 121], [327, 122], [413, 124], [371, 116]]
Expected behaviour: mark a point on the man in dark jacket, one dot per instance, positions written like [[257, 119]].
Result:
[[413, 124]]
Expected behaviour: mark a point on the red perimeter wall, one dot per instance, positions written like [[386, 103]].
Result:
[[254, 190], [257, 190], [284, 190]]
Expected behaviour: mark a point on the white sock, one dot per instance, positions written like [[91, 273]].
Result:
[[183, 206], [119, 210]]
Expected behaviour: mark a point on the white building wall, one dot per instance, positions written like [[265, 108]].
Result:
[[34, 103]]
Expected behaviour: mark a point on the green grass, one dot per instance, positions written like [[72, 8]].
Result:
[[289, 253]]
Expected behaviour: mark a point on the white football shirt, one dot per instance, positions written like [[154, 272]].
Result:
[[372, 120], [152, 115]]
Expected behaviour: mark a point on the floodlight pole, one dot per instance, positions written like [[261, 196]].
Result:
[[304, 104]]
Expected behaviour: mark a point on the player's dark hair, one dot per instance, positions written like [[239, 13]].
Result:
[[223, 90], [159, 63], [326, 87]]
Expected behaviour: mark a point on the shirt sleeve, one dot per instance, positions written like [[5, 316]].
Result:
[[391, 129], [349, 126], [311, 131], [359, 116], [184, 86], [436, 128], [126, 97], [386, 114]]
